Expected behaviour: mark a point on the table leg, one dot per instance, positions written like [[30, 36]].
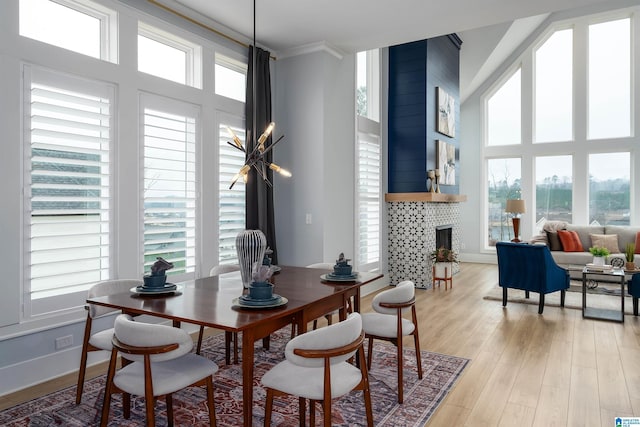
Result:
[[247, 376]]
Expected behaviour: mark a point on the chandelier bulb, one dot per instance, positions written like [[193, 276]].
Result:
[[235, 138], [280, 170]]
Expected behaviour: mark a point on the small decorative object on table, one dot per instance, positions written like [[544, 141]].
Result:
[[599, 255], [342, 267], [442, 269], [629, 252], [260, 288], [158, 276], [251, 246]]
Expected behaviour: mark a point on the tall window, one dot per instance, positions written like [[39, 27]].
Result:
[[169, 134], [504, 183], [368, 154], [87, 28], [553, 88], [69, 133], [231, 202], [503, 113], [554, 189], [610, 79], [166, 55], [609, 188], [231, 78]]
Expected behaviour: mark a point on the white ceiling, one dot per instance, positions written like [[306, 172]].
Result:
[[354, 25]]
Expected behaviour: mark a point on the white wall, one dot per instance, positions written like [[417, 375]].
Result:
[[314, 101]]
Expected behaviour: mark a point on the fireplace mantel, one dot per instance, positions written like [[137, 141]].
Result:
[[425, 197]]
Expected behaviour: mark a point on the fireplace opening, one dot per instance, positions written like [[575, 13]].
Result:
[[443, 236]]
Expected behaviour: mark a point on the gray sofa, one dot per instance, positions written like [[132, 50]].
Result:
[[625, 234]]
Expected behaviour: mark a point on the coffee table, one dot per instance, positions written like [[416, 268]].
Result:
[[603, 313]]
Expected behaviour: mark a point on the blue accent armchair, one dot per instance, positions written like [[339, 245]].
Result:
[[530, 268], [634, 290]]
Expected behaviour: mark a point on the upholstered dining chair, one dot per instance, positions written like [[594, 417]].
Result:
[[160, 363], [530, 268], [99, 341], [229, 336], [328, 316], [321, 358], [387, 323]]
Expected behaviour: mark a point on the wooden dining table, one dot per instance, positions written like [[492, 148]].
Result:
[[212, 302]]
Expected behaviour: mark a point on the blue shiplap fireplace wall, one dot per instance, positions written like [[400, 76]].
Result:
[[416, 70]]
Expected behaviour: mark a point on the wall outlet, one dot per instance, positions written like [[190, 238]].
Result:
[[308, 219], [64, 342]]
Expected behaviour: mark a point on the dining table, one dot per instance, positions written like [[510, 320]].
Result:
[[214, 302]]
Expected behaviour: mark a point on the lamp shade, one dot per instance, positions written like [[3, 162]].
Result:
[[515, 206]]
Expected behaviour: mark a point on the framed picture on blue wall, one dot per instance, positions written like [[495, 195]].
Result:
[[446, 113]]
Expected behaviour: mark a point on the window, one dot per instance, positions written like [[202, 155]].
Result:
[[504, 183], [369, 161], [610, 79], [368, 84], [231, 202], [231, 78], [554, 189], [503, 113], [67, 166], [81, 26], [169, 135], [609, 188], [168, 56], [553, 88]]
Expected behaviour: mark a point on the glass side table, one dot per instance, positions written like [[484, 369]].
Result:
[[603, 313]]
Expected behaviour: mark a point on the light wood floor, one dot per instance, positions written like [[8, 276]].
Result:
[[555, 369]]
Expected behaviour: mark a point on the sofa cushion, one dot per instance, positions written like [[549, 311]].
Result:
[[607, 241], [554, 241], [570, 241], [626, 234], [584, 232]]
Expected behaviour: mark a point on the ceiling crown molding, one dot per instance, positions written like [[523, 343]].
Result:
[[312, 48]]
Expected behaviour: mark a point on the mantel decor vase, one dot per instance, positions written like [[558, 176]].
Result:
[[250, 247]]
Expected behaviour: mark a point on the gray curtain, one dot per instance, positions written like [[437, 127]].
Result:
[[259, 195]]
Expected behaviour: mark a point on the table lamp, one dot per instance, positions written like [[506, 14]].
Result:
[[515, 207]]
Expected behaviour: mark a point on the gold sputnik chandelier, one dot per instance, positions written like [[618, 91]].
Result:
[[257, 157]]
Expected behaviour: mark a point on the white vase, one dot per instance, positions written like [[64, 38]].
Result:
[[443, 270], [250, 247], [598, 260]]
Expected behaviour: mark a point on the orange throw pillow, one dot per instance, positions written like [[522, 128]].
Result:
[[570, 241], [637, 242]]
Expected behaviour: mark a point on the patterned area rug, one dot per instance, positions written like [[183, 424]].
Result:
[[422, 397]]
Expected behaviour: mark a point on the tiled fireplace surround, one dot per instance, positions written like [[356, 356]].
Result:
[[412, 236]]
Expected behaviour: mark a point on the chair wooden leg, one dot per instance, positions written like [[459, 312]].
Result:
[[302, 410], [326, 409], [635, 306], [329, 318], [504, 296], [365, 391], [315, 324], [563, 294], [268, 407], [210, 402], [126, 405], [169, 401], [400, 371], [83, 360], [200, 336], [149, 400], [106, 404], [541, 305], [369, 352], [526, 294]]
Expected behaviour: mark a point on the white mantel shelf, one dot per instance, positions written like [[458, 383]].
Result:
[[425, 197]]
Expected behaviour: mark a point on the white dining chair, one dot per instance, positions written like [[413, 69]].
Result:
[[160, 363], [387, 323], [316, 367], [99, 341]]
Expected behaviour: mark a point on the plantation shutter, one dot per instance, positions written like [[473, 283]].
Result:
[[68, 136], [169, 187], [231, 202], [368, 201]]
